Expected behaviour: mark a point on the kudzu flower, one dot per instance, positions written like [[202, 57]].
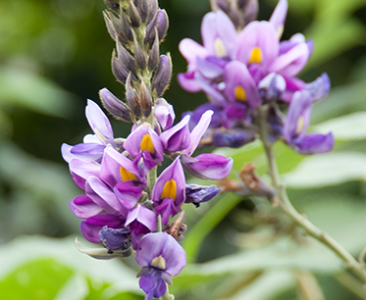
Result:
[[298, 118], [197, 194], [160, 257]]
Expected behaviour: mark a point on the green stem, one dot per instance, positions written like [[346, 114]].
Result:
[[289, 209]]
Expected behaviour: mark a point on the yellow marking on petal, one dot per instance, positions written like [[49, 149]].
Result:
[[126, 175], [300, 124], [220, 48], [159, 262], [147, 144], [240, 93], [169, 190], [255, 56]]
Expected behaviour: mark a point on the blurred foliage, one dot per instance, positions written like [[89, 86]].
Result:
[[54, 54]]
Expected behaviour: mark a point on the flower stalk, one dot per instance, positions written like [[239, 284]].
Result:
[[282, 197]]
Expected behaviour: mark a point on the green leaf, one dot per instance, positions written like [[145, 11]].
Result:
[[30, 90], [345, 128], [327, 169], [207, 223], [36, 280]]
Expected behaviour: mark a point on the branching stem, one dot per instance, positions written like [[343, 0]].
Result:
[[323, 237]]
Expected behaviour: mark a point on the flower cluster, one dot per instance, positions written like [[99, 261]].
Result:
[[125, 204], [242, 69]]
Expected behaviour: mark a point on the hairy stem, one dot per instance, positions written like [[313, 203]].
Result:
[[289, 209]]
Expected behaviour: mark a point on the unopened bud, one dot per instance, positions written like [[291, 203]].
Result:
[[251, 11], [112, 4], [233, 138], [114, 106], [134, 15], [163, 75], [153, 8], [197, 194], [132, 98], [140, 57], [115, 238], [119, 70], [126, 29], [117, 27], [110, 26], [143, 8], [126, 58], [161, 22], [154, 56], [164, 113], [242, 3], [145, 100], [223, 5]]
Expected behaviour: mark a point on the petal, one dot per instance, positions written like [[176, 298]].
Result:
[[209, 32], [65, 151], [238, 76], [83, 207], [209, 166], [173, 172], [90, 232], [178, 137], [279, 16], [164, 113], [209, 69], [233, 138], [314, 143], [191, 50], [319, 88], [165, 209], [199, 130], [188, 82], [227, 32], [128, 194], [199, 193], [258, 34], [98, 121], [152, 284], [82, 170], [143, 216], [292, 62]]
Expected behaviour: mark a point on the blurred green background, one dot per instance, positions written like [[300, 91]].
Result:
[[55, 54]]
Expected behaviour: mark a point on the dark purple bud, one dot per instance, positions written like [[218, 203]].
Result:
[[153, 8], [233, 138], [114, 106], [126, 29], [117, 26], [163, 75], [115, 239], [112, 4], [140, 57], [242, 3], [197, 194], [134, 15], [251, 11], [154, 56], [110, 26], [126, 58], [119, 70], [143, 8], [132, 98], [223, 5], [161, 22], [145, 100]]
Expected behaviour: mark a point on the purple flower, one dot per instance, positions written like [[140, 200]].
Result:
[[94, 144], [92, 226], [197, 194], [298, 118], [164, 113], [84, 207], [178, 137], [160, 257], [168, 193], [145, 142]]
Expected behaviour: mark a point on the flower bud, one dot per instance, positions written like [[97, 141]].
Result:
[[197, 194], [164, 113], [154, 56], [126, 29], [140, 57], [145, 100], [134, 15], [112, 4], [242, 3], [163, 75], [117, 27], [233, 138], [126, 58], [110, 26], [161, 22], [143, 8], [223, 5], [114, 106], [251, 11], [115, 239], [119, 70], [132, 98], [153, 7]]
